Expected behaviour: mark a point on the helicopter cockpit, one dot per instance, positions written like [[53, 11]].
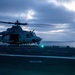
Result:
[[32, 33]]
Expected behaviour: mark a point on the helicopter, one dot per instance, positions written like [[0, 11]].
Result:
[[16, 35]]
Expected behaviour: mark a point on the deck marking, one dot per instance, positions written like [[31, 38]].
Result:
[[37, 56]]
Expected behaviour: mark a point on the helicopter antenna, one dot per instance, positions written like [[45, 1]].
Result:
[[33, 30]]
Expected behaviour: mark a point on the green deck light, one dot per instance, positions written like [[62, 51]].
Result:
[[42, 46]]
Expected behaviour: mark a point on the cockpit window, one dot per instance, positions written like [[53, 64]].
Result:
[[32, 34]]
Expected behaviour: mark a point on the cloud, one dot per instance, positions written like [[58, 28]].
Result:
[[68, 4], [50, 17], [44, 12]]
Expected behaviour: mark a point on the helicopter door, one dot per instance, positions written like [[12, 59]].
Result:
[[14, 37]]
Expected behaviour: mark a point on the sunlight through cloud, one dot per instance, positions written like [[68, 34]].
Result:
[[70, 5], [30, 14]]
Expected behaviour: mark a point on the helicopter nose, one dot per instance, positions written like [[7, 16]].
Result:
[[39, 39], [36, 39]]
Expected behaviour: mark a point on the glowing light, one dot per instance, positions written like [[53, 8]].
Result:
[[42, 46]]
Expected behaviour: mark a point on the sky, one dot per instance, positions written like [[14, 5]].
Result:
[[53, 20]]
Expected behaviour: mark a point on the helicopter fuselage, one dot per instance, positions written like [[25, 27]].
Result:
[[16, 35]]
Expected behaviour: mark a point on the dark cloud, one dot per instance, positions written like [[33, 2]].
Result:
[[15, 6], [46, 13]]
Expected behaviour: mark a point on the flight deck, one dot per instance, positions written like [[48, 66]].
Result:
[[37, 54]]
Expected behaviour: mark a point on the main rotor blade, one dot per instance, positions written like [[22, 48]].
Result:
[[41, 24], [20, 23], [6, 22], [16, 23]]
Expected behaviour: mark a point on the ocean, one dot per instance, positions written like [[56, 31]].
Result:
[[58, 43]]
